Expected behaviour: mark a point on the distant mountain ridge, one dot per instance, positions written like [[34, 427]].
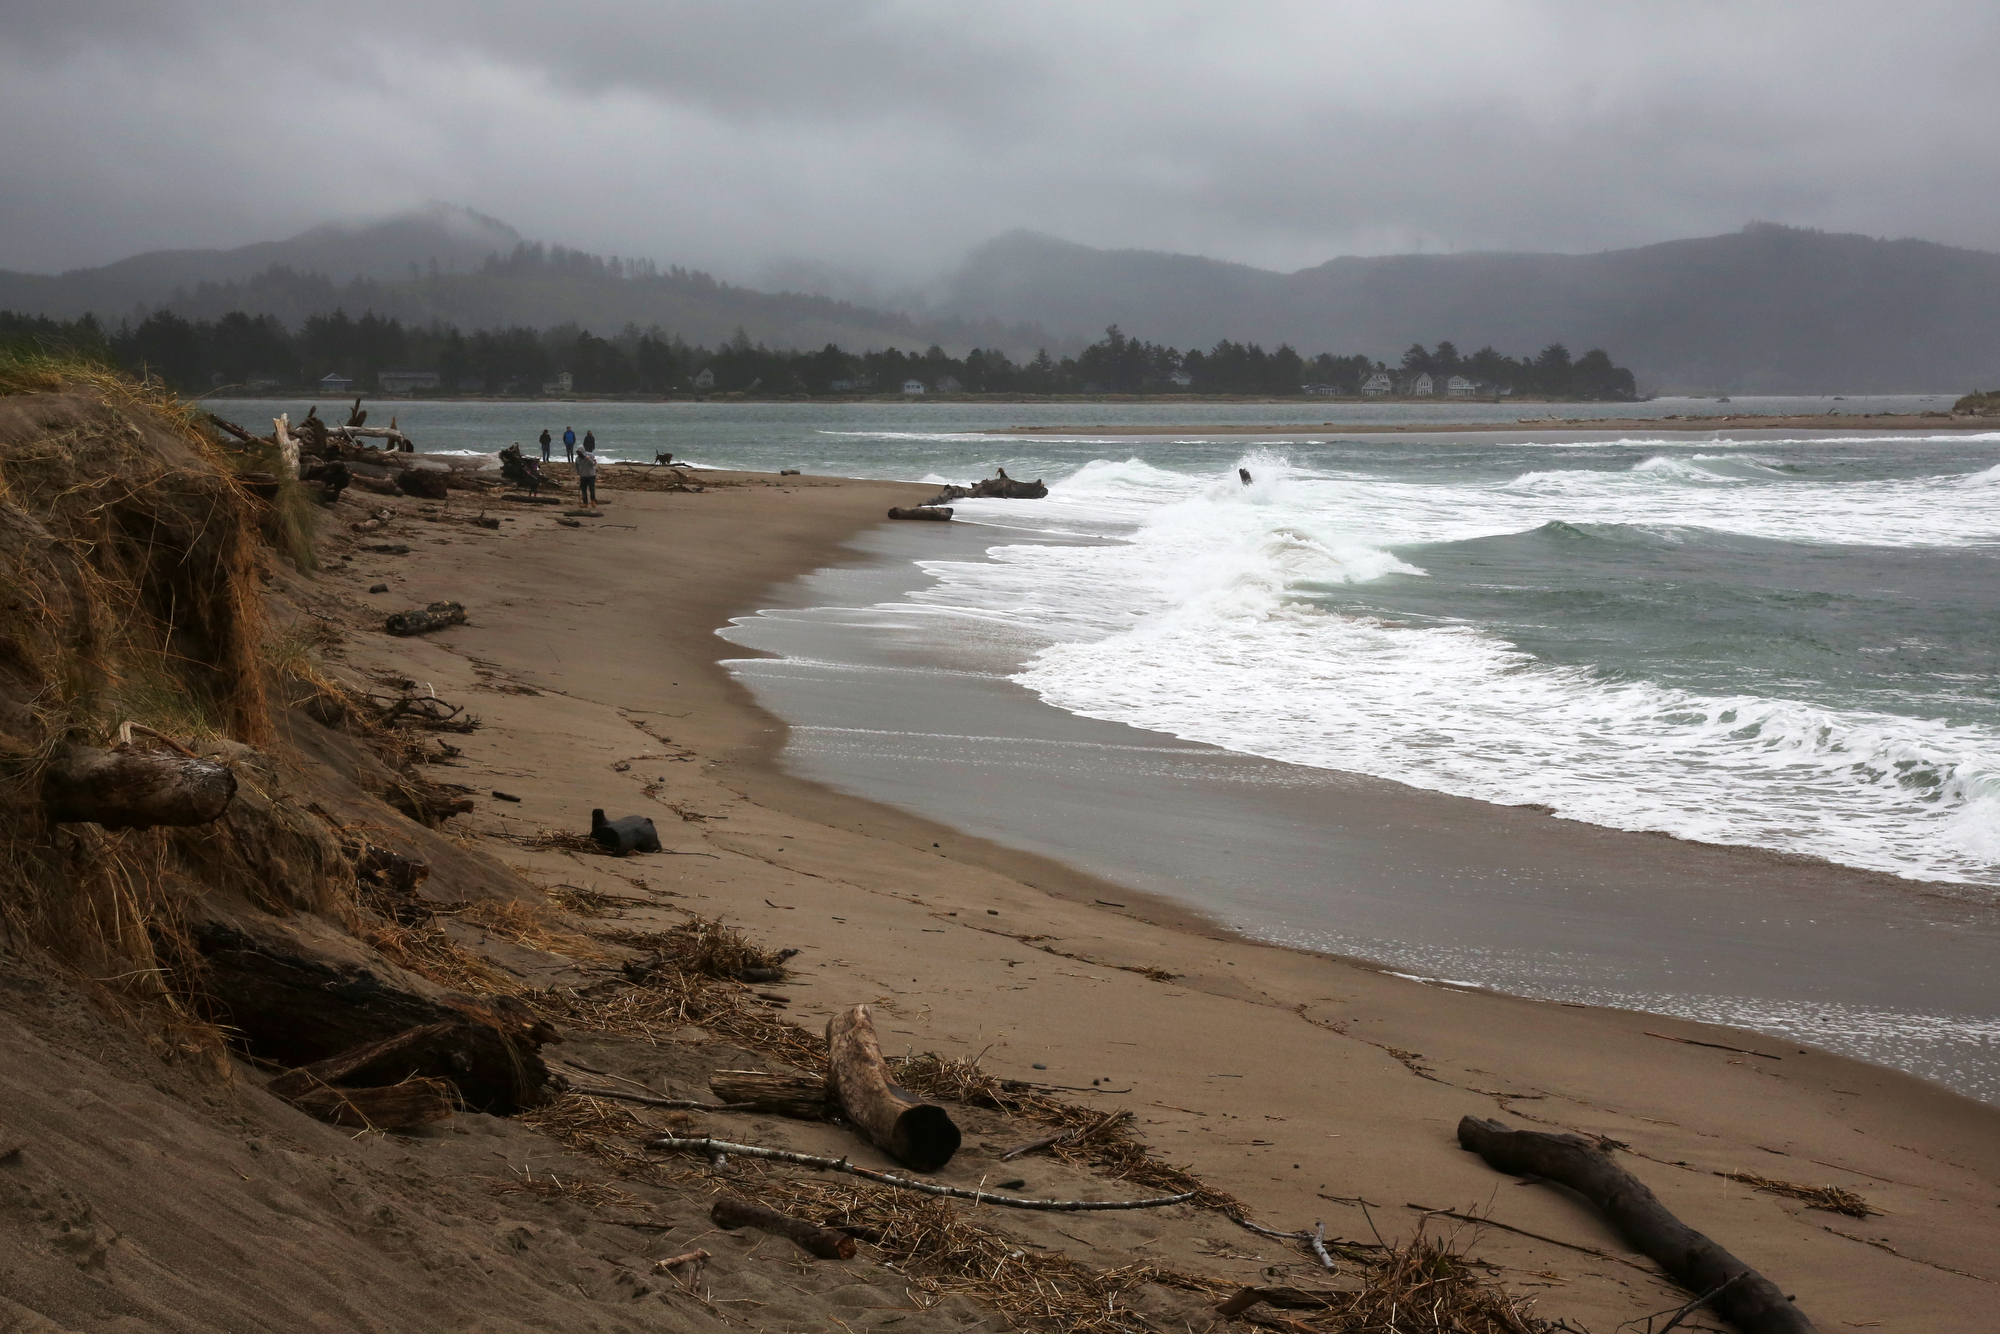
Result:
[[1765, 310], [460, 267], [1768, 309]]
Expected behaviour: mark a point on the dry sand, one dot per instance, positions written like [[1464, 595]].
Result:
[[1827, 421], [1303, 1085]]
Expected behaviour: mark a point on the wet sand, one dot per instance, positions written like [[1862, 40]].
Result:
[[1298, 1081]]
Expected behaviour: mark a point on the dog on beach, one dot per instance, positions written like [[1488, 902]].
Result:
[[658, 459]]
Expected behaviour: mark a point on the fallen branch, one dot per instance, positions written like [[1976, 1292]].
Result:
[[1717, 1046], [678, 1104], [1740, 1294], [730, 1212], [801, 1096], [713, 1147], [1523, 1232]]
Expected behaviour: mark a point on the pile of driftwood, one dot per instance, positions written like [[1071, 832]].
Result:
[[328, 458], [999, 487]]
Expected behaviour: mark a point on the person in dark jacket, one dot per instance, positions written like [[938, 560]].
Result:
[[545, 444], [586, 472], [590, 441]]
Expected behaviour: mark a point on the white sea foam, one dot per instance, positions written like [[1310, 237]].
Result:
[[1192, 618]]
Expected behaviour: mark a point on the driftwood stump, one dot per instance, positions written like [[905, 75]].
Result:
[[124, 788], [919, 1134], [1742, 1296], [627, 834], [932, 512], [354, 1024]]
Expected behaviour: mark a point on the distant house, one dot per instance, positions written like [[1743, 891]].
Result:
[[1378, 384], [705, 380], [333, 382], [1423, 386], [1459, 387], [949, 385], [404, 382], [1181, 379], [564, 383], [840, 386], [1320, 388], [913, 386]]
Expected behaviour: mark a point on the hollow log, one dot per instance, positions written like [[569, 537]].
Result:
[[916, 1133], [730, 1212], [1750, 1301], [802, 1096], [940, 515], [296, 1008], [437, 616], [124, 788]]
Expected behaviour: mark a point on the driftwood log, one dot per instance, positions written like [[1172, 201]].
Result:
[[437, 616], [423, 483], [126, 788], [802, 1096], [297, 1008], [1741, 1295], [916, 1133], [933, 512], [414, 1102], [730, 1212]]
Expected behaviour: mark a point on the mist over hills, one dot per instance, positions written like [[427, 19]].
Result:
[[453, 265], [1765, 310], [1768, 309]]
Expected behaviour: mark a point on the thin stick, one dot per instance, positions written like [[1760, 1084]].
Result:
[[679, 1104], [1317, 1240], [1521, 1231], [1690, 1042], [1700, 1301], [717, 1146]]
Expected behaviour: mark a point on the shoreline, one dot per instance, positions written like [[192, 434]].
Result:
[[966, 945], [1837, 421]]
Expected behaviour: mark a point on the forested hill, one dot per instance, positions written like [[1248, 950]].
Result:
[[455, 267], [1768, 309]]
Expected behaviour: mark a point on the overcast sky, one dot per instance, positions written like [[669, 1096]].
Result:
[[887, 137]]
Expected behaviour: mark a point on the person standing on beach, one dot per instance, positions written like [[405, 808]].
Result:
[[586, 472], [545, 444], [590, 441], [569, 444]]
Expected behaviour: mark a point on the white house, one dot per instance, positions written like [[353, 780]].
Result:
[[564, 383], [333, 382], [1181, 378], [705, 380], [1459, 387], [1423, 386], [403, 382], [913, 386], [1378, 384]]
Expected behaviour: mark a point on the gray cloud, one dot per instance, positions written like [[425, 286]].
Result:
[[886, 136]]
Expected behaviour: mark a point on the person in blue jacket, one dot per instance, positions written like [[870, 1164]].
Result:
[[569, 444]]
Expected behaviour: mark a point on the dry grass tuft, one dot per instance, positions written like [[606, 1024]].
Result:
[[1830, 1198], [700, 946]]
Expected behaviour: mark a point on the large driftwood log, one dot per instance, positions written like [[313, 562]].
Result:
[[919, 1134], [935, 513], [124, 788], [803, 1096], [1742, 1296], [730, 1212], [298, 1009]]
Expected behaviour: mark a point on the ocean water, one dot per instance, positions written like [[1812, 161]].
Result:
[[1763, 640]]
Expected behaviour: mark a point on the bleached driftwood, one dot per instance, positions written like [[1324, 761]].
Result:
[[918, 1133]]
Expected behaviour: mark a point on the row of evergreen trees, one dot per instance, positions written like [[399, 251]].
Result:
[[258, 350]]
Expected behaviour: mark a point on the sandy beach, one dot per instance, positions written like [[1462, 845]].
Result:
[[1309, 1088], [1301, 1084], [1829, 421]]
